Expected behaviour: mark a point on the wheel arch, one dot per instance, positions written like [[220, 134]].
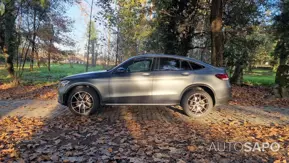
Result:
[[69, 90], [204, 87]]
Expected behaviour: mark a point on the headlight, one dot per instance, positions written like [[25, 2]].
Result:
[[63, 83]]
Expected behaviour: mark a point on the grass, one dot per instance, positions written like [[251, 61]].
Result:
[[43, 76], [260, 77]]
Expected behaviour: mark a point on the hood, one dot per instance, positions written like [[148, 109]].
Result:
[[86, 75]]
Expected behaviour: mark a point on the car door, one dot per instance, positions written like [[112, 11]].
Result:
[[132, 82], [170, 77]]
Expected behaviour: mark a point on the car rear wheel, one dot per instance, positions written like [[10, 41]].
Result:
[[83, 101], [197, 103]]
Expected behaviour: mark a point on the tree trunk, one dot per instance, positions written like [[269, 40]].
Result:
[[70, 62], [49, 54], [38, 60], [93, 53], [22, 54], [33, 41], [24, 60], [250, 68], [237, 77], [10, 44], [17, 49], [283, 58], [217, 39], [9, 62]]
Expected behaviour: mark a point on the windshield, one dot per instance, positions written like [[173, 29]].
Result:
[[112, 67]]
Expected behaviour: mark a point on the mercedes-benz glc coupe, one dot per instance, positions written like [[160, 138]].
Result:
[[149, 79]]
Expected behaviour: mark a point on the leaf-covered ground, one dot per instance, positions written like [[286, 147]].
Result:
[[143, 135], [45, 92], [81, 139], [256, 96]]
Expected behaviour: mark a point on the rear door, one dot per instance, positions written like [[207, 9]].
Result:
[[170, 77]]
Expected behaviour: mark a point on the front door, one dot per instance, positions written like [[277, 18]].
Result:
[[132, 84]]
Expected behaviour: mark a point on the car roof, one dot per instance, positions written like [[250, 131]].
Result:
[[176, 57]]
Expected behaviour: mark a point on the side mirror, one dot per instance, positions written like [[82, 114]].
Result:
[[121, 70]]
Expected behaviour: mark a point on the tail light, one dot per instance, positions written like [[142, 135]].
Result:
[[222, 76]]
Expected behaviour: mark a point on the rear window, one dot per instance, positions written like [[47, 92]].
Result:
[[172, 64], [169, 64], [185, 65], [196, 66]]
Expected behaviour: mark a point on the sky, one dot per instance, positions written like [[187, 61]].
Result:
[[80, 15], [79, 26]]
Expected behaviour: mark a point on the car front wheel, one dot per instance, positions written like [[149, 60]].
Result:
[[83, 101], [197, 103]]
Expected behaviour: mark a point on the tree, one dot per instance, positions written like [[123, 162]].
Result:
[[241, 22], [282, 49], [174, 26], [129, 21], [282, 31], [93, 42], [239, 50], [217, 39], [36, 11], [9, 35], [8, 42], [29, 16]]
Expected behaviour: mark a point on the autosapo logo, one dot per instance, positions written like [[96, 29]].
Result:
[[245, 146]]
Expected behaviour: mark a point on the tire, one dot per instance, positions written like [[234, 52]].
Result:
[[89, 101], [197, 110]]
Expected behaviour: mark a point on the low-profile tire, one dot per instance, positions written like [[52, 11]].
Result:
[[83, 101], [197, 103]]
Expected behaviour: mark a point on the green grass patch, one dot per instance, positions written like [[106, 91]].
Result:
[[260, 77], [43, 76]]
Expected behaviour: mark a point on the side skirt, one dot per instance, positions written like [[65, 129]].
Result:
[[132, 104]]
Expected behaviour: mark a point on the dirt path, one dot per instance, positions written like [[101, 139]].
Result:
[[222, 114]]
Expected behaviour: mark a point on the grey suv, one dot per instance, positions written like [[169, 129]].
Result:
[[149, 79]]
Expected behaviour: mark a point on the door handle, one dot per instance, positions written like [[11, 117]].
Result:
[[146, 74], [185, 74]]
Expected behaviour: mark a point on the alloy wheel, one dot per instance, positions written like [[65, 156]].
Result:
[[82, 102], [198, 104]]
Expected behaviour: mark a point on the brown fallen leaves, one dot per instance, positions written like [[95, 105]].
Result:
[[82, 139], [235, 133], [86, 139], [256, 96], [14, 130], [42, 92]]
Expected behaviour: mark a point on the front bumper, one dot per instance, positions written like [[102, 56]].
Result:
[[62, 95], [61, 100]]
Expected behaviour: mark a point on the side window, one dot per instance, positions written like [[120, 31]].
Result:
[[196, 66], [168, 64], [185, 65], [140, 65]]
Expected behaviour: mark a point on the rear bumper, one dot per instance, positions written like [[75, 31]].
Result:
[[223, 101]]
